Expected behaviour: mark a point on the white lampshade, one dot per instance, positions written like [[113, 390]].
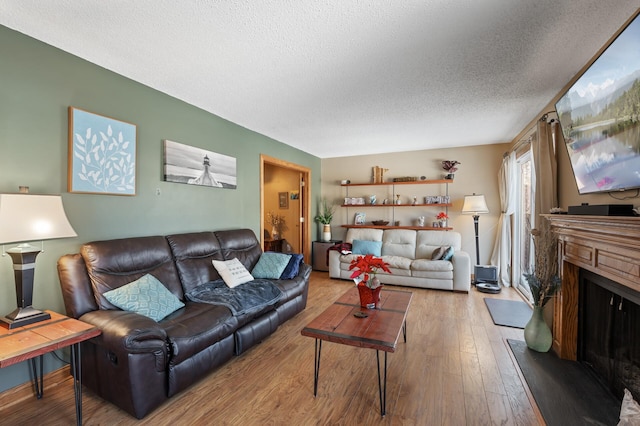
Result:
[[30, 217], [475, 205]]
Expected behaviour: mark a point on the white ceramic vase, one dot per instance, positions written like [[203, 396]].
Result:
[[326, 232]]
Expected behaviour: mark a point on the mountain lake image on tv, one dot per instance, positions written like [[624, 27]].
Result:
[[599, 118]]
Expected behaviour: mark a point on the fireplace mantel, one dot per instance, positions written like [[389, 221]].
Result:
[[606, 245]]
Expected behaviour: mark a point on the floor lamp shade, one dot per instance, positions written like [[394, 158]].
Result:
[[475, 205], [24, 218]]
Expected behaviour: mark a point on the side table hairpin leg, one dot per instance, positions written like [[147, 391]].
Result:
[[38, 378], [76, 370]]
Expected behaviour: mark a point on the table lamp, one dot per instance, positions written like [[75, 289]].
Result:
[[475, 205], [28, 217]]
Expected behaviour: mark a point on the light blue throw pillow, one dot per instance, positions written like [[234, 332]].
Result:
[[448, 254], [145, 296], [367, 247], [271, 265]]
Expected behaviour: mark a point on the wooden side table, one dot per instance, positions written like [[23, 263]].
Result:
[[274, 245], [36, 340], [320, 258]]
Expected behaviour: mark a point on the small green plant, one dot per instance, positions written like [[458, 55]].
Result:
[[326, 211]]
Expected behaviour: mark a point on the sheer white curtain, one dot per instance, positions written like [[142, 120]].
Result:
[[546, 168], [501, 256]]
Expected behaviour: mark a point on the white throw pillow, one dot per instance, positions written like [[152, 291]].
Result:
[[232, 272], [630, 411]]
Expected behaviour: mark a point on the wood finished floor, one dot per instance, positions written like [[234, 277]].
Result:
[[455, 369]]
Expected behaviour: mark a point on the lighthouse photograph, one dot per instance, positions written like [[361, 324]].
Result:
[[197, 166]]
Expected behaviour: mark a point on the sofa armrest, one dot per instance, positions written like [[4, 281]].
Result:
[[129, 332], [305, 271], [334, 264], [461, 271]]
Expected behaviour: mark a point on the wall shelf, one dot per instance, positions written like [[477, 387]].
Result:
[[393, 206], [415, 228], [399, 205]]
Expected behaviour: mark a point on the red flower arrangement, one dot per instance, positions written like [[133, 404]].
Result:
[[367, 266], [442, 216]]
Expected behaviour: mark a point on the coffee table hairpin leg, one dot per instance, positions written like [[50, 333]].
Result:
[[316, 366], [382, 391]]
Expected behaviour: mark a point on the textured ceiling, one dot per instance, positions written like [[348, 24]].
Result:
[[338, 77]]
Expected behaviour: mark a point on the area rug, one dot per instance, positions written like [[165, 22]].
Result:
[[509, 313], [566, 392]]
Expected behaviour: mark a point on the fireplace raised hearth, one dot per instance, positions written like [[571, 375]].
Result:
[[599, 260]]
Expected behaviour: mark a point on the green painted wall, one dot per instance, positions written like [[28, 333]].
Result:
[[37, 85]]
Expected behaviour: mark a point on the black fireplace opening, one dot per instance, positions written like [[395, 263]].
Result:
[[609, 332]]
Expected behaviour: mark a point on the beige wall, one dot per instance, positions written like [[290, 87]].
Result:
[[478, 173]]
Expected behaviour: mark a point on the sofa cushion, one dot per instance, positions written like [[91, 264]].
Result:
[[197, 327], [271, 265], [145, 296], [367, 234], [293, 267], [366, 247], [232, 272], [431, 265], [241, 244], [193, 253], [428, 241], [399, 242], [397, 262], [113, 263]]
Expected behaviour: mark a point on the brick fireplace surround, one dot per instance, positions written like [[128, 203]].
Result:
[[606, 245]]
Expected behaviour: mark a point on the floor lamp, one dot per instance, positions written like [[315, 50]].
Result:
[[476, 205], [24, 218]]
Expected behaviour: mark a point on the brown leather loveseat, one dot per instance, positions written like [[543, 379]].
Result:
[[138, 363]]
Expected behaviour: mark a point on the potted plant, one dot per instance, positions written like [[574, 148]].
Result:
[[544, 283], [450, 167], [442, 218], [369, 286], [324, 217]]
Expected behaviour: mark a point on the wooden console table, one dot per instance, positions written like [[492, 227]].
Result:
[[36, 340]]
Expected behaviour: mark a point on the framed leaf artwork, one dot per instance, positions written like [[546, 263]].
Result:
[[102, 154]]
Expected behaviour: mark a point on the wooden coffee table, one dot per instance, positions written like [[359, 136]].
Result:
[[380, 330]]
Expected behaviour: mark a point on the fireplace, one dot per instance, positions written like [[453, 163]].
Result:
[[608, 326], [599, 263]]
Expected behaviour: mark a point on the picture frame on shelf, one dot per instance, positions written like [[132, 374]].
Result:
[[359, 218]]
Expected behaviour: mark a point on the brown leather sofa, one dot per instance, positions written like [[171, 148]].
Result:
[[138, 363]]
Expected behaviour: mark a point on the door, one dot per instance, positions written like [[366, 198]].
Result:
[[523, 247]]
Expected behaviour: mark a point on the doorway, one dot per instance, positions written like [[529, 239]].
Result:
[[284, 196]]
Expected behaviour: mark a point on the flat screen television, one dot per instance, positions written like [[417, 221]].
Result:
[[600, 118]]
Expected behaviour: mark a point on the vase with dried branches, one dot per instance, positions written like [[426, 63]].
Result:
[[544, 283]]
